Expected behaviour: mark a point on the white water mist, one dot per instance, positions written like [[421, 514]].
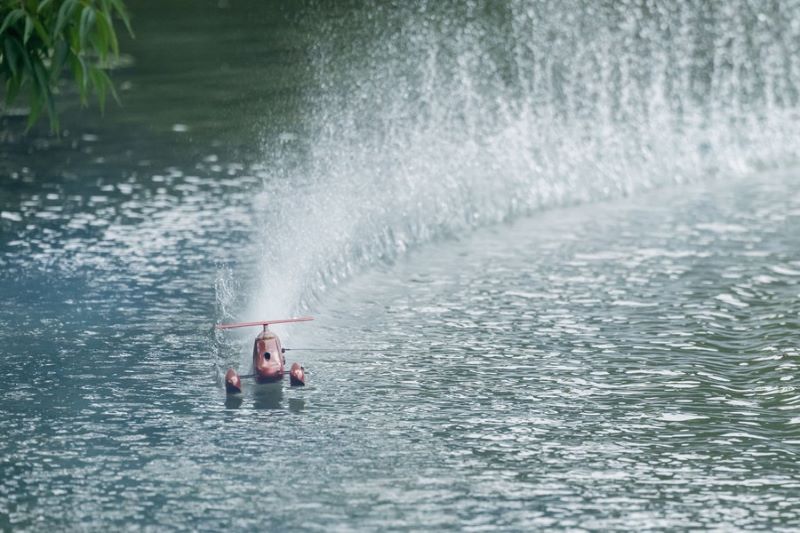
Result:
[[427, 121]]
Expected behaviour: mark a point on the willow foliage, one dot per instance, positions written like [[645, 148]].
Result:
[[39, 39]]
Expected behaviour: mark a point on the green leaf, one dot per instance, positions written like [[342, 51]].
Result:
[[87, 21], [39, 38], [39, 72], [43, 80], [59, 59], [28, 28], [11, 19], [98, 81], [110, 86], [36, 105], [12, 58], [119, 7], [64, 14], [100, 48], [19, 60], [73, 38], [12, 90], [79, 71], [85, 71], [104, 85], [43, 5], [107, 34], [41, 32], [22, 53]]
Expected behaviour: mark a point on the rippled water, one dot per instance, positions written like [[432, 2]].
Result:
[[622, 364], [630, 364], [543, 238]]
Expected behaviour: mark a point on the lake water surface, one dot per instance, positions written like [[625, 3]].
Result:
[[561, 275]]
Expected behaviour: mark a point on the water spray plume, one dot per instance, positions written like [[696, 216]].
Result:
[[447, 116]]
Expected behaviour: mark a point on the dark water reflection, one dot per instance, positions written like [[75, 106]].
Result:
[[268, 396]]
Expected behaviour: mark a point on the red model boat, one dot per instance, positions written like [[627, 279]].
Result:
[[268, 357]]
